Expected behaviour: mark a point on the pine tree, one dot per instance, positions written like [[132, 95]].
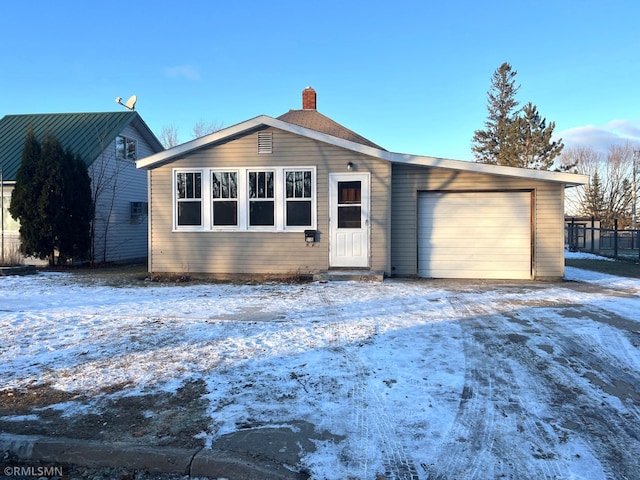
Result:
[[594, 197], [494, 143], [24, 199], [514, 137], [52, 201], [52, 209], [536, 149], [74, 238]]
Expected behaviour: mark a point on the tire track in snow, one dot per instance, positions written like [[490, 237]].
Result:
[[492, 414], [611, 433], [578, 410], [374, 428]]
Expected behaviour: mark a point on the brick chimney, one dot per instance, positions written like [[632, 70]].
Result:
[[308, 99]]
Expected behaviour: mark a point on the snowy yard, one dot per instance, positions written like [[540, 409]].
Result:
[[413, 379]]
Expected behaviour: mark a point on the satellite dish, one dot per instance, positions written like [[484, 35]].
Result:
[[131, 103]]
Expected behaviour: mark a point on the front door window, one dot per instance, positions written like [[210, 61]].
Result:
[[349, 204]]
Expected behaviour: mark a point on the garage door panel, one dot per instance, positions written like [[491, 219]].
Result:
[[474, 235], [462, 241], [499, 273], [495, 211], [474, 259]]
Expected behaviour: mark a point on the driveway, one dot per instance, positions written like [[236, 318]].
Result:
[[405, 379]]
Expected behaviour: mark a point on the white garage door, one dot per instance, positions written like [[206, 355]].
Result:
[[474, 235]]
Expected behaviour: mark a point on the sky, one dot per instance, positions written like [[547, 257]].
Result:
[[412, 76]]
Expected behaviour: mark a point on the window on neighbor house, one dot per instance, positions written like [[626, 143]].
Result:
[[261, 189], [189, 198], [298, 198], [126, 148], [224, 192]]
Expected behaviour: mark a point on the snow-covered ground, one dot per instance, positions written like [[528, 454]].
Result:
[[418, 379]]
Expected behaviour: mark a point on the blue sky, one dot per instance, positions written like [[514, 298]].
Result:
[[411, 76]]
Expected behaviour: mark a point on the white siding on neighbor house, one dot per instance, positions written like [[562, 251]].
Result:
[[252, 252], [10, 233], [9, 225], [547, 225], [119, 237]]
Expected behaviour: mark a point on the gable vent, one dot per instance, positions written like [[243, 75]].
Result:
[[265, 142]]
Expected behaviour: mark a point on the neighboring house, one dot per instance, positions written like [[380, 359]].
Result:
[[300, 194], [110, 143]]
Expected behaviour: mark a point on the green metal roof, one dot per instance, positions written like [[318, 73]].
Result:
[[86, 134]]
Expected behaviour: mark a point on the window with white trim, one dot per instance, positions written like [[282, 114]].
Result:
[[126, 148], [298, 198], [188, 189], [224, 193], [251, 199], [262, 200]]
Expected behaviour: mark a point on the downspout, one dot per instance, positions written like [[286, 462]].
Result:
[[149, 224]]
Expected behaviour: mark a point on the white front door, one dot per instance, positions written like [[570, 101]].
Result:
[[349, 219]]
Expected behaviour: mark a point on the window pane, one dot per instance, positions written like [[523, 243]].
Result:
[[261, 213], [225, 185], [349, 217], [189, 185], [131, 149], [290, 180], [307, 184], [233, 185], [215, 186], [269, 182], [299, 184], [253, 184], [298, 214], [197, 185], [261, 185], [348, 192], [181, 184], [225, 213], [189, 213], [120, 147]]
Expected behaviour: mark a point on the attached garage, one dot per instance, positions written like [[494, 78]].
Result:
[[479, 234]]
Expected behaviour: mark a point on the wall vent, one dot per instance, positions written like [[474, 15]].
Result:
[[265, 142]]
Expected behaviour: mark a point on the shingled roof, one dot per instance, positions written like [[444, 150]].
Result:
[[86, 134], [310, 118]]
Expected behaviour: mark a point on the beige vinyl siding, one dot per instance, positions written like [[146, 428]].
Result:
[[547, 228], [252, 252]]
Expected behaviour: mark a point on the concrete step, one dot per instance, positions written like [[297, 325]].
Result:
[[349, 276]]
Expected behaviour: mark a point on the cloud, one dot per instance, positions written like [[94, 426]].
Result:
[[600, 138], [182, 71]]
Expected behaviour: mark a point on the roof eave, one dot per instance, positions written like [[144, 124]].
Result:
[[147, 133], [570, 179]]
